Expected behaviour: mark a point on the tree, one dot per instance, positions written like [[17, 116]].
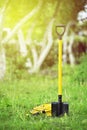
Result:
[[44, 17]]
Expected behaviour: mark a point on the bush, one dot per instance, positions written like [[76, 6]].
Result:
[[81, 71], [15, 62]]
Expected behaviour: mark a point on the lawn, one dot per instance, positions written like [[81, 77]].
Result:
[[19, 96]]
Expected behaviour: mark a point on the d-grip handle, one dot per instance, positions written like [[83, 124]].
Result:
[[63, 30]]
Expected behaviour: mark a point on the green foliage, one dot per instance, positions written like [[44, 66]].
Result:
[[80, 75], [52, 57], [15, 62], [20, 96]]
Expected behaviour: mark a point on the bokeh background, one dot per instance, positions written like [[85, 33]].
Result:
[[29, 59]]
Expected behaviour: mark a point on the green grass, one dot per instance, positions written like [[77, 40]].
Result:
[[19, 96]]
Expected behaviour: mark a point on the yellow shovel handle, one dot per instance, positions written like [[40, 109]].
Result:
[[60, 68], [60, 34]]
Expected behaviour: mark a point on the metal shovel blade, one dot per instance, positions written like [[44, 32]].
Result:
[[59, 109]]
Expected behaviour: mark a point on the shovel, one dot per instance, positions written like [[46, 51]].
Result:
[[55, 108], [59, 108]]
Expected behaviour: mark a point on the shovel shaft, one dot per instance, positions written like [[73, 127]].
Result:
[[59, 108], [60, 67]]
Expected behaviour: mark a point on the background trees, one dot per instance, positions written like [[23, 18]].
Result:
[[30, 25]]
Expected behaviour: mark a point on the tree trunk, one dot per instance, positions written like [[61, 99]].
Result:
[[23, 48], [71, 56], [45, 51], [68, 41]]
